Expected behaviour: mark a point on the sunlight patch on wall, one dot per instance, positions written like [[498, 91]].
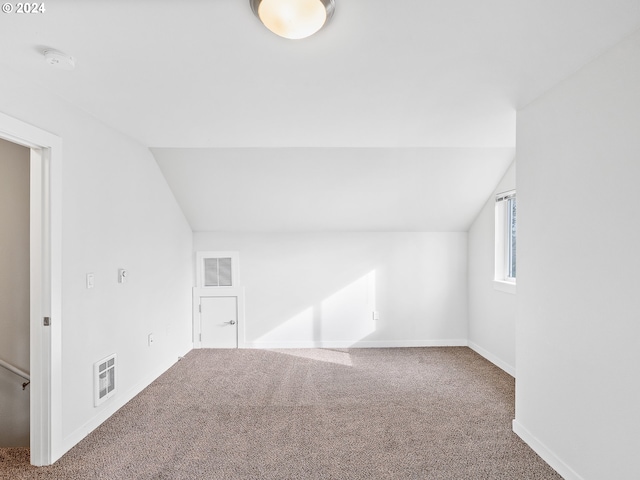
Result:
[[345, 317], [348, 314], [298, 328]]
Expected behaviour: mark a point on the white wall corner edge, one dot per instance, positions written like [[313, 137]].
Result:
[[358, 344], [544, 452], [116, 403], [510, 369]]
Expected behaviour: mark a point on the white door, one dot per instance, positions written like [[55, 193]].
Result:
[[219, 322]]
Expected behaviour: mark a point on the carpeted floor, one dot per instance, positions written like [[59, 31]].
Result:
[[403, 413]]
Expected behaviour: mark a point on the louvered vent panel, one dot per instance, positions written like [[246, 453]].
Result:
[[224, 272], [217, 272], [211, 272], [104, 377]]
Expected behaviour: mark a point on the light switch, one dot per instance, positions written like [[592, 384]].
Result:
[[90, 280], [122, 275]]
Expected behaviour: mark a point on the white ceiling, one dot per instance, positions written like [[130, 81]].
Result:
[[337, 189], [402, 74]]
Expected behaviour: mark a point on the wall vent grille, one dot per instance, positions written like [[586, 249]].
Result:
[[104, 379], [217, 272], [217, 269]]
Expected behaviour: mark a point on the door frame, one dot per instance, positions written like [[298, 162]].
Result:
[[45, 342], [200, 292]]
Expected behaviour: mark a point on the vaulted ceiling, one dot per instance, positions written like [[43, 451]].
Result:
[[332, 189], [429, 76]]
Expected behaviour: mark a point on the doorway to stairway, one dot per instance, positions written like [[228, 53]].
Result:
[[45, 299], [14, 294]]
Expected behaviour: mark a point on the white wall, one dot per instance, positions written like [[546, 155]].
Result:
[[117, 213], [14, 292], [312, 289], [492, 313], [578, 331]]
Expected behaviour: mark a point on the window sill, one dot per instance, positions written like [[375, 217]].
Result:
[[506, 287]]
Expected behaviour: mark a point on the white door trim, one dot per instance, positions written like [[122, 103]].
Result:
[[199, 293], [46, 286]]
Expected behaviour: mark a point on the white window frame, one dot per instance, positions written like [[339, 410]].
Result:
[[502, 279]]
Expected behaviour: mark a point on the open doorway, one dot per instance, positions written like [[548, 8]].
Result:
[[14, 294], [45, 414]]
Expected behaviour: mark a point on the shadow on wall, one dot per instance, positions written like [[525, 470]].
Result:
[[344, 317]]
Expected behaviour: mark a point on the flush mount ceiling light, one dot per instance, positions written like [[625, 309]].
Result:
[[293, 19]]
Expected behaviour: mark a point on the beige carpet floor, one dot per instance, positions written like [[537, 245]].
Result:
[[405, 413]]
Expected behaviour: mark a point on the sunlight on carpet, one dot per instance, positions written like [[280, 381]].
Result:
[[320, 355]]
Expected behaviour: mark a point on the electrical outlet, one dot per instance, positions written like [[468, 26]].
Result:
[[90, 280], [150, 338]]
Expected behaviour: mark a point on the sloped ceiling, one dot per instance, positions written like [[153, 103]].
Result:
[[335, 189], [428, 76]]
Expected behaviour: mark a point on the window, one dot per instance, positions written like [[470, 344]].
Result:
[[511, 239], [506, 230]]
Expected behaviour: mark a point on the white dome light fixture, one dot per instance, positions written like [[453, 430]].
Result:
[[293, 19]]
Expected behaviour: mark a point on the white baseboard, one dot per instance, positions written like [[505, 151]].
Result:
[[113, 406], [511, 370], [358, 344], [545, 453]]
